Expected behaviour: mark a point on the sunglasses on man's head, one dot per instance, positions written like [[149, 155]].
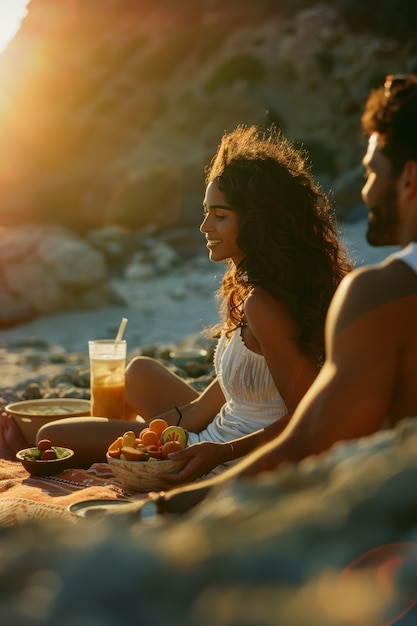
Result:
[[394, 83]]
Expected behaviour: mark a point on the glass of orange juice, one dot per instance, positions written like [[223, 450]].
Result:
[[107, 377]]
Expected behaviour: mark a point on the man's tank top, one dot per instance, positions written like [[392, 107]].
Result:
[[407, 255]]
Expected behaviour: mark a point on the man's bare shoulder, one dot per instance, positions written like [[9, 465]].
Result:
[[369, 288]]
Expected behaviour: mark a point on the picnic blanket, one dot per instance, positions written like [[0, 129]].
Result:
[[24, 497]]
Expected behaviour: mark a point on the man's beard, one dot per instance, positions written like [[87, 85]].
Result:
[[384, 221]]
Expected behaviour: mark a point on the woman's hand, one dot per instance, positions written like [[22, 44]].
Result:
[[201, 459]]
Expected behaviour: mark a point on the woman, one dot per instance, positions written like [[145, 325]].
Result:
[[265, 217]]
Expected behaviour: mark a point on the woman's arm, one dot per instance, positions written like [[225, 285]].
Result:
[[273, 333], [204, 456], [199, 412]]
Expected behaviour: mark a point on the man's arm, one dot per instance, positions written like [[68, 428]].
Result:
[[350, 397], [352, 394]]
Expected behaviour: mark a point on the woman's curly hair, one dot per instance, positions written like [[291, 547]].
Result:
[[287, 231]]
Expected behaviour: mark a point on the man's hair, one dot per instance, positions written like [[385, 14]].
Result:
[[391, 111], [287, 231]]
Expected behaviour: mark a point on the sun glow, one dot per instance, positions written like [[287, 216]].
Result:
[[11, 14]]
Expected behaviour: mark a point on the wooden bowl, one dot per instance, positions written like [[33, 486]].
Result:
[[45, 468], [142, 476], [30, 415]]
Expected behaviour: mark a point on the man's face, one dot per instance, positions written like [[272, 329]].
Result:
[[379, 193]]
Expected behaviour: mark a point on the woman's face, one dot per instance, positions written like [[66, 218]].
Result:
[[220, 226]]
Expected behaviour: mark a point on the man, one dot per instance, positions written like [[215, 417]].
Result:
[[369, 379]]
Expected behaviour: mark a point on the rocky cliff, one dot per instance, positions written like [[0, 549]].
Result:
[[110, 109]]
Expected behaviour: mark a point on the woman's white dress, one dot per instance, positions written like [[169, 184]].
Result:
[[252, 399]]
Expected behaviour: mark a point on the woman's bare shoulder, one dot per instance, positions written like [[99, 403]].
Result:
[[261, 300], [263, 309]]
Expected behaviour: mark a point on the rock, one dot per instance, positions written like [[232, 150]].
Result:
[[30, 280], [46, 269], [32, 392], [139, 116], [155, 257], [17, 243], [116, 243], [72, 261], [150, 195], [14, 308]]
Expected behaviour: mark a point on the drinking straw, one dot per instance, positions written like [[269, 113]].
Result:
[[121, 330]]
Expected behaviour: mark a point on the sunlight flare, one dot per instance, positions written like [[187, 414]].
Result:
[[11, 15]]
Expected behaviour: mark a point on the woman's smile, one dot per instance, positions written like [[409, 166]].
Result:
[[220, 226], [213, 242]]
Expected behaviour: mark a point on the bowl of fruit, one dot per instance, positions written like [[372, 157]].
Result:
[[45, 459], [136, 460]]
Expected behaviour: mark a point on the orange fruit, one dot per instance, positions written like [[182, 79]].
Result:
[[154, 451], [158, 425], [48, 455], [44, 444], [129, 438], [114, 448], [150, 438], [133, 454], [170, 446]]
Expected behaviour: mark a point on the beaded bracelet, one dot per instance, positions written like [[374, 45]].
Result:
[[180, 415]]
